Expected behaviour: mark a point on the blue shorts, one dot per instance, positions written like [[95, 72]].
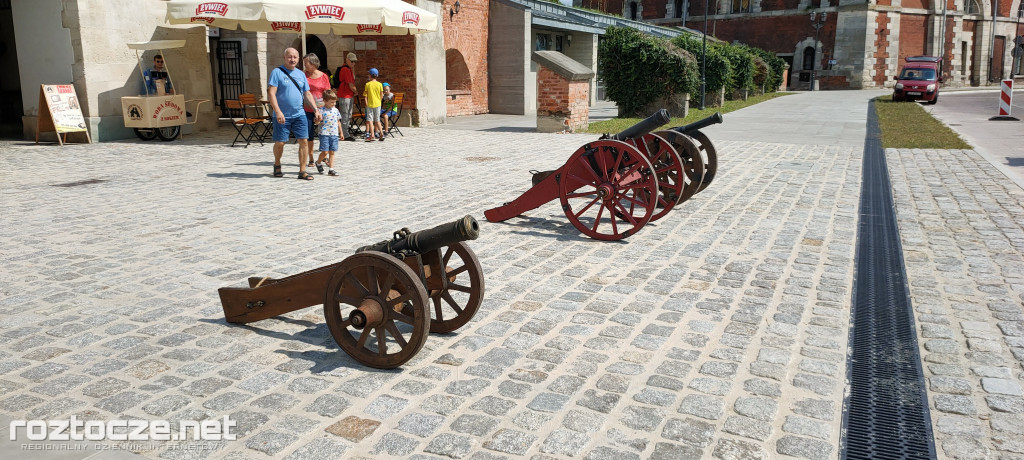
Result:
[[328, 143], [296, 125], [390, 113], [311, 124]]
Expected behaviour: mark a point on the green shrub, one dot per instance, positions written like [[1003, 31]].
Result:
[[776, 67], [718, 67], [639, 69], [742, 65]]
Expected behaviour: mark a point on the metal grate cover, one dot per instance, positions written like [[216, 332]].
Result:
[[886, 410]]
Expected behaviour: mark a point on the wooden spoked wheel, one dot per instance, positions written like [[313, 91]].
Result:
[[376, 310], [708, 155], [456, 296], [608, 190], [690, 155], [668, 168]]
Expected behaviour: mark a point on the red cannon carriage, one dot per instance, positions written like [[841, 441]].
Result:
[[381, 302], [612, 187]]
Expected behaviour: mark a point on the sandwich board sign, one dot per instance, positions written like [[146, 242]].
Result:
[[62, 114]]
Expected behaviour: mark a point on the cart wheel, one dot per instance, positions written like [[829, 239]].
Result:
[[618, 179], [708, 155], [146, 134], [456, 297], [689, 153], [668, 168], [169, 133], [362, 307]]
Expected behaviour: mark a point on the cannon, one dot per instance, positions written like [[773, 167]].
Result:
[[612, 187], [381, 302]]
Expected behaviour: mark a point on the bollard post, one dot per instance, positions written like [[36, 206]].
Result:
[[1005, 101]]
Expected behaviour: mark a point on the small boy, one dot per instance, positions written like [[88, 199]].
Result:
[[388, 107], [372, 92], [330, 130]]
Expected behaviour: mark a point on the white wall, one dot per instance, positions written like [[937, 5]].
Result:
[[430, 71], [41, 61]]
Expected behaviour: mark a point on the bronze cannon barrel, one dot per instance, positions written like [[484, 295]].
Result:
[[423, 241], [645, 126], [712, 120]]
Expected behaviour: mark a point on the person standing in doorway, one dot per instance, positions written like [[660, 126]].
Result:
[[288, 89], [346, 82]]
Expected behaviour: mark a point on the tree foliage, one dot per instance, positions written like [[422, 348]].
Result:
[[638, 69], [718, 67]]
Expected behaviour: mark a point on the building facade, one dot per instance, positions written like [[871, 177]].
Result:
[[852, 44], [83, 43]]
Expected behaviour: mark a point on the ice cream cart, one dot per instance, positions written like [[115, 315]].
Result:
[[157, 113]]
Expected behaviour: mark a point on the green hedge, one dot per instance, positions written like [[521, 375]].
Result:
[[638, 69], [718, 67]]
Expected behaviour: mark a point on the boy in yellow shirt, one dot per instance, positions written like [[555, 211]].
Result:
[[372, 92]]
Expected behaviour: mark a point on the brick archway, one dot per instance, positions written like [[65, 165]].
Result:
[[458, 77]]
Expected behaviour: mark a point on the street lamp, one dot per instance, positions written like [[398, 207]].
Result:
[[704, 57], [817, 23]]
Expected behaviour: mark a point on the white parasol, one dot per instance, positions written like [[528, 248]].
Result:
[[343, 17]]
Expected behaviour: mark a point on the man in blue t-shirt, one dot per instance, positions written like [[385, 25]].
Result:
[[288, 88]]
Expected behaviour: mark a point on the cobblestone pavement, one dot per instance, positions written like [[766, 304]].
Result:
[[718, 331]]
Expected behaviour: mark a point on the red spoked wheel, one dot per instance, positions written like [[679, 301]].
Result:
[[690, 155], [376, 309], [608, 190], [708, 155], [668, 168]]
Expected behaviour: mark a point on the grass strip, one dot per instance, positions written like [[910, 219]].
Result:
[[616, 125], [907, 125]]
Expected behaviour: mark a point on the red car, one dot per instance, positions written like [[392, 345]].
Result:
[[919, 80]]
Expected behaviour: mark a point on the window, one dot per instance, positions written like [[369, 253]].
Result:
[[543, 42], [740, 6], [963, 58], [632, 10], [558, 43], [972, 7]]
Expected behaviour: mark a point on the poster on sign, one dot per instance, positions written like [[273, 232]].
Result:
[[60, 112]]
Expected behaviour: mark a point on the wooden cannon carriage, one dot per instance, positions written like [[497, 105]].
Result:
[[612, 187], [381, 302]]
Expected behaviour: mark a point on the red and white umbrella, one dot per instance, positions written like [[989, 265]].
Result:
[[343, 17]]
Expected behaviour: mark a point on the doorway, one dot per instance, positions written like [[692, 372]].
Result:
[[315, 46], [230, 78], [997, 58], [11, 107]]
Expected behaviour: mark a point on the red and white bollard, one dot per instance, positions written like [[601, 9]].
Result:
[[1005, 98]]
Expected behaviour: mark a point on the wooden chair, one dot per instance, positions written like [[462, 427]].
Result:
[[248, 128], [254, 108], [355, 126], [393, 119]]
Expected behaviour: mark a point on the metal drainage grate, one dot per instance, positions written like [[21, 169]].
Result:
[[81, 182], [886, 411]]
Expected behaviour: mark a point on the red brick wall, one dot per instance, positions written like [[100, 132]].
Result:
[[559, 97], [654, 9], [786, 31], [916, 4], [912, 35], [608, 6], [881, 43], [552, 93], [466, 32], [395, 59]]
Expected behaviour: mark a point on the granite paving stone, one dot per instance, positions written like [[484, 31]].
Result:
[[717, 332]]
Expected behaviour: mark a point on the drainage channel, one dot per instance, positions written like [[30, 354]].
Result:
[[886, 410]]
